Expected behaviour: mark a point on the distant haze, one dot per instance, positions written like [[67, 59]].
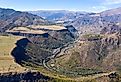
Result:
[[72, 5]]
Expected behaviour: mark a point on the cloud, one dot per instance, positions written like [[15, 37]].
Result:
[[106, 5], [111, 2], [98, 8]]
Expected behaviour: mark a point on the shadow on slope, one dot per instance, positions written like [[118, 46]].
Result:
[[26, 77], [19, 51]]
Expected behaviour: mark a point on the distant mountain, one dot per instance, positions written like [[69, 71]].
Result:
[[58, 15], [10, 18], [94, 53], [105, 22], [110, 12]]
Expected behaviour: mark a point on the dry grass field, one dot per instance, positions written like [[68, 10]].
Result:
[[7, 63], [33, 29], [50, 27], [25, 30]]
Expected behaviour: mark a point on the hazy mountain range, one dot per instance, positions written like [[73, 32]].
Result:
[[11, 18], [88, 45], [57, 14], [85, 22]]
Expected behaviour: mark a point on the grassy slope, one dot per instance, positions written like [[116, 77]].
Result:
[[7, 64]]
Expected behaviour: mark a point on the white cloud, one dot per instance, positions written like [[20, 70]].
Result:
[[105, 5], [111, 2], [98, 8]]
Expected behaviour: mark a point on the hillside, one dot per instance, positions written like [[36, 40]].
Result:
[[43, 45], [91, 57], [103, 22], [97, 54], [98, 23], [7, 63], [111, 12], [87, 48], [10, 18]]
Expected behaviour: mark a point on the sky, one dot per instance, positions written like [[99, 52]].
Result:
[[72, 5]]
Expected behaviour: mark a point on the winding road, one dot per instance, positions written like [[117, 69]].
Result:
[[57, 53], [60, 51]]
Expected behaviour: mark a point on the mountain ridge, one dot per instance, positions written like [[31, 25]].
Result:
[[10, 18]]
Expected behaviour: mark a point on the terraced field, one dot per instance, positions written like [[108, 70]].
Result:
[[50, 27], [35, 29], [25, 30], [7, 63]]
